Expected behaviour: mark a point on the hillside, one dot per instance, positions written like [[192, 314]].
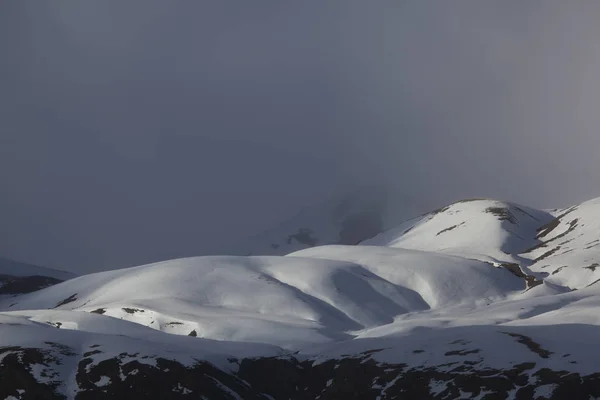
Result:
[[17, 277], [485, 229], [480, 299]]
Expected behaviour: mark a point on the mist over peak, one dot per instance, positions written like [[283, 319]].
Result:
[[143, 131]]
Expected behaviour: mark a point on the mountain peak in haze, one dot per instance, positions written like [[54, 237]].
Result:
[[343, 219]]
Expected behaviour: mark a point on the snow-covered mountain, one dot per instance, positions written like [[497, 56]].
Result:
[[480, 299]]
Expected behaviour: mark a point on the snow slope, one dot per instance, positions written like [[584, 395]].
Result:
[[286, 301], [480, 228], [441, 280], [474, 300], [568, 254], [560, 247]]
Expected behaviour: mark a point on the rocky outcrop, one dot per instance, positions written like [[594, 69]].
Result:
[[12, 285], [29, 373]]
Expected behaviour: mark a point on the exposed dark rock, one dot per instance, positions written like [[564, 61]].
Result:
[[462, 352], [530, 280], [449, 228], [572, 226], [472, 200], [593, 283], [593, 267], [17, 379], [502, 213], [91, 353], [547, 254], [131, 376], [12, 285], [439, 211], [408, 230], [557, 270], [61, 349], [303, 236], [547, 228], [132, 310], [167, 379], [363, 378], [68, 300], [531, 345]]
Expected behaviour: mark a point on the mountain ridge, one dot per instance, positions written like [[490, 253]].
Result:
[[473, 300], [19, 278]]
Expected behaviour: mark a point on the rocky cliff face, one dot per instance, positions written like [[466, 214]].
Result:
[[354, 377]]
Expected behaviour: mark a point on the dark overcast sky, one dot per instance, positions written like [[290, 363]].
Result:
[[132, 131]]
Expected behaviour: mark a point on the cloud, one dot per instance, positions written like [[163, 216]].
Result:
[[137, 131]]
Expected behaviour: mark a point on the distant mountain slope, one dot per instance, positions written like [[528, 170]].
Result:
[[345, 219], [17, 277], [16, 268]]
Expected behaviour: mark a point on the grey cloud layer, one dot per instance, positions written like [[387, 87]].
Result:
[[135, 131]]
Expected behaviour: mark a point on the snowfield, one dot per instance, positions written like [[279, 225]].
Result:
[[480, 299]]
